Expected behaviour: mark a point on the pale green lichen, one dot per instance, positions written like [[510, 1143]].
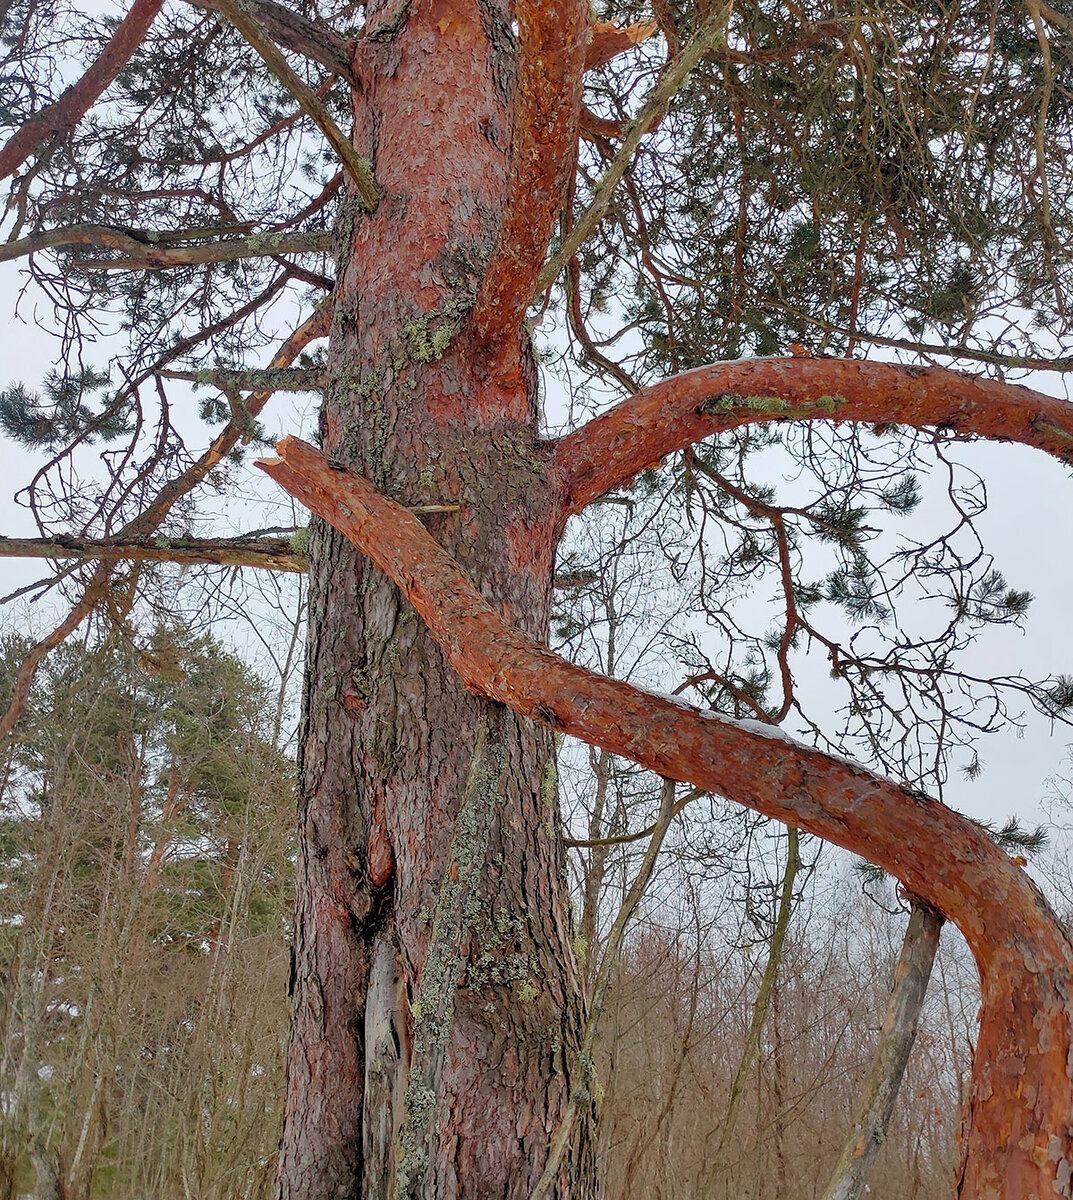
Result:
[[528, 992], [299, 541], [581, 949], [426, 344], [433, 1007], [264, 241], [775, 406]]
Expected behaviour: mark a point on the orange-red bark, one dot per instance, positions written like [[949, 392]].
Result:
[[609, 40], [687, 408], [547, 102], [72, 106], [1018, 1142]]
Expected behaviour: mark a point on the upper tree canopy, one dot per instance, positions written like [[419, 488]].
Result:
[[834, 181]]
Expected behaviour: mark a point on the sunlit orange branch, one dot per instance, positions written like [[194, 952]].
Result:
[[687, 408], [1016, 1134], [609, 41], [65, 113], [551, 59]]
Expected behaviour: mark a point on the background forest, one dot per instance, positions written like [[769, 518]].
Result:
[[146, 840]]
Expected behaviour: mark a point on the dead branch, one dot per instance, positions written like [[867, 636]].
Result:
[[242, 14], [274, 554], [272, 379], [255, 245], [315, 40]]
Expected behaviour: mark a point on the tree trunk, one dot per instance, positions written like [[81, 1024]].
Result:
[[437, 1009], [849, 1180]]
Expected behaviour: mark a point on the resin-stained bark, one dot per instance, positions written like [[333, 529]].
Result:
[[436, 1009]]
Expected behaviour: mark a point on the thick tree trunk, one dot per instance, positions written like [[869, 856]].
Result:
[[1018, 1142], [437, 1012]]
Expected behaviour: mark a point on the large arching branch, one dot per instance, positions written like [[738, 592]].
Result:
[[65, 113], [1018, 1141], [687, 408], [547, 104]]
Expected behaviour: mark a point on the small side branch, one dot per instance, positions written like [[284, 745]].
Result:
[[148, 251], [690, 407], [610, 40], [242, 14], [547, 104], [278, 379], [274, 554], [63, 115], [315, 40]]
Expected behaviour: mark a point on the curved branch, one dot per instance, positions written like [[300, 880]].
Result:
[[687, 408], [547, 105], [65, 113], [1018, 1140]]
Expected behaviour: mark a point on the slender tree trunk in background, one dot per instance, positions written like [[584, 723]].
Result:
[[780, 1089], [437, 1009], [849, 1179]]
